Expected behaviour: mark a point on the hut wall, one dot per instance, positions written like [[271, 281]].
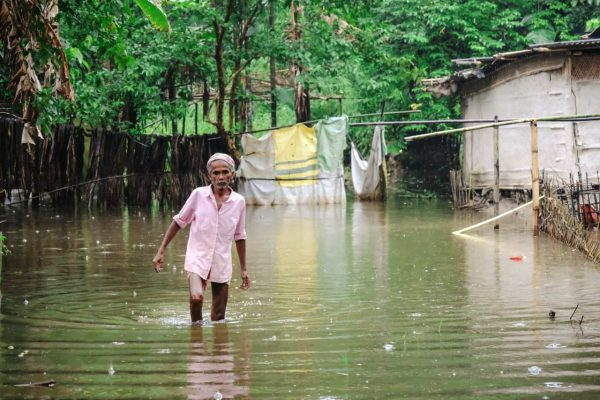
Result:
[[535, 87], [585, 73]]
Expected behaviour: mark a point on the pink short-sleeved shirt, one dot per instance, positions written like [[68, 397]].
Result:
[[211, 232]]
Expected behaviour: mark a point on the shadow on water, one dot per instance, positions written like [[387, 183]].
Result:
[[367, 300]]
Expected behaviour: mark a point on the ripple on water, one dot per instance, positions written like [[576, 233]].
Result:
[[333, 306]]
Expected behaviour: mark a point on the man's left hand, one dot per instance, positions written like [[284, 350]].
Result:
[[245, 281]]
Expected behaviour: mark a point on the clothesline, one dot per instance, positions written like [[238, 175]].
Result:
[[317, 120]]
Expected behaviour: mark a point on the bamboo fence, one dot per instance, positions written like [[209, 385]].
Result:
[[116, 169]]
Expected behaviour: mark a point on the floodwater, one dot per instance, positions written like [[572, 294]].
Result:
[[362, 301]]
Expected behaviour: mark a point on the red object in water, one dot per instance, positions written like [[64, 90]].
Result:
[[517, 258]]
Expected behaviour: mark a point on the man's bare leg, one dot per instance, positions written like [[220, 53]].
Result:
[[197, 288], [220, 293]]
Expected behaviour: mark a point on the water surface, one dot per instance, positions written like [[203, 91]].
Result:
[[362, 301]]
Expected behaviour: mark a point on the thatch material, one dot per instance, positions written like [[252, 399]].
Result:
[[559, 222], [61, 164], [122, 169], [107, 160], [10, 157], [146, 160], [187, 167]]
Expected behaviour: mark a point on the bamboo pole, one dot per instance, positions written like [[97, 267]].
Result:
[[463, 121], [487, 221], [535, 177], [556, 118], [385, 113], [496, 173], [572, 118]]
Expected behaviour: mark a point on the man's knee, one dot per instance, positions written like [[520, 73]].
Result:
[[196, 295]]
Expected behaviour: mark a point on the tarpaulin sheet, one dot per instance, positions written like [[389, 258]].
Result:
[[296, 165]]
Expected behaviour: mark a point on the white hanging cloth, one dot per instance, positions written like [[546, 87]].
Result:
[[365, 173]]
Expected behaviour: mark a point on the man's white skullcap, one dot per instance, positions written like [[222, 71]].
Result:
[[220, 157]]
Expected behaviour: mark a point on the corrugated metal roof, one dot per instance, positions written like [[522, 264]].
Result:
[[569, 44], [482, 66]]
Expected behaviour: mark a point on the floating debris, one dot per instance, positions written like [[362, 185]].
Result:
[[111, 370], [534, 370], [388, 347], [118, 343], [519, 325], [553, 385], [555, 346], [25, 302], [218, 396], [552, 315], [48, 383]]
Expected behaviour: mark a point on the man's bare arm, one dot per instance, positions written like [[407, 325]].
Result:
[[240, 245], [159, 258]]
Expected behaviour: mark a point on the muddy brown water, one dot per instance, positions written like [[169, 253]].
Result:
[[361, 301]]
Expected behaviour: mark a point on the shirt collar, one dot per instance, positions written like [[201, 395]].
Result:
[[210, 193]]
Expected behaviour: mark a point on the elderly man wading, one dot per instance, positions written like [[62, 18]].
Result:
[[217, 216]]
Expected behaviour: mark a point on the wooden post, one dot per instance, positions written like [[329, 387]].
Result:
[[496, 172], [383, 169], [195, 118], [535, 177]]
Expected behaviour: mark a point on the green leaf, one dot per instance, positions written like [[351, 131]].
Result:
[[155, 15], [74, 52]]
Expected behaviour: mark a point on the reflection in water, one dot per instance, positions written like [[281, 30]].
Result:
[[369, 243], [213, 368]]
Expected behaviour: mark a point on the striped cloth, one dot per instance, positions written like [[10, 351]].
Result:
[[296, 161]]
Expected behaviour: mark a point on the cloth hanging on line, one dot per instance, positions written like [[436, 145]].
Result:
[[366, 173], [295, 165]]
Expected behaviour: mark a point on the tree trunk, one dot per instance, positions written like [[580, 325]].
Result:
[[172, 95], [205, 101], [301, 95], [230, 143], [272, 70]]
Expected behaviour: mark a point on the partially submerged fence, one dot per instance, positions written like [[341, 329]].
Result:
[[101, 167], [581, 197], [561, 220]]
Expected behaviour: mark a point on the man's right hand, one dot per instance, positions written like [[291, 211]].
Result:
[[158, 261]]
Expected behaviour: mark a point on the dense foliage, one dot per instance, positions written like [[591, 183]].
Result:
[[129, 76]]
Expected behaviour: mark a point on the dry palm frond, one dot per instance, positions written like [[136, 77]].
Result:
[[27, 26]]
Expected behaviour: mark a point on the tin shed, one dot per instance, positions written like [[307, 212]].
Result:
[[554, 79]]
